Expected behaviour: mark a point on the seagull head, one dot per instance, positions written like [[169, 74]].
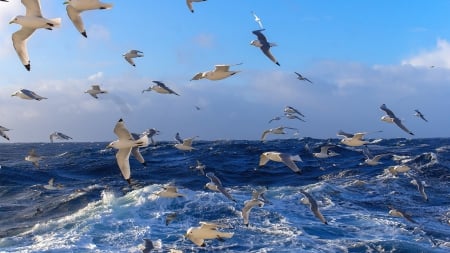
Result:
[[256, 43], [16, 19]]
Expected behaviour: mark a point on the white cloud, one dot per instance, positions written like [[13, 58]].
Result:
[[439, 56]]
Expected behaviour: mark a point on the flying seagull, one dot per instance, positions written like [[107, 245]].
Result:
[[278, 130], [309, 200], [184, 144], [265, 46], [287, 159], [352, 140], [206, 230], [32, 20], [420, 115], [95, 90], [189, 4], [160, 87], [256, 200], [291, 110], [2, 132], [125, 144], [216, 185], [59, 136], [257, 20], [220, 72], [75, 7], [33, 158], [132, 54], [391, 118], [27, 94], [302, 78]]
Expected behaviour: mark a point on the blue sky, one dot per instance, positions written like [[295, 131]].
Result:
[[359, 55]]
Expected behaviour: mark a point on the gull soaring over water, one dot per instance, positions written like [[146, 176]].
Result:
[[206, 231], [420, 115], [420, 187], [216, 185], [128, 56], [309, 200], [27, 94], [33, 158], [352, 140], [391, 118], [189, 4], [265, 46], [219, 72], [95, 90], [325, 152], [58, 136], [32, 20], [371, 159], [52, 186], [278, 130], [399, 213], [160, 87], [287, 159], [256, 200], [2, 132], [184, 144], [125, 144], [169, 191], [74, 9], [302, 78]]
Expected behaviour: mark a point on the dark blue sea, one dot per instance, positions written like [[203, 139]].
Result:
[[95, 210]]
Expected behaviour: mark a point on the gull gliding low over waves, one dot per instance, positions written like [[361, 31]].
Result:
[[220, 72], [278, 130], [216, 185], [125, 144], [287, 159], [32, 20], [249, 204], [58, 136], [74, 9], [33, 158], [184, 144], [354, 140], [95, 90], [206, 230], [160, 87], [27, 94], [265, 46], [309, 200], [2, 132], [420, 187], [391, 118]]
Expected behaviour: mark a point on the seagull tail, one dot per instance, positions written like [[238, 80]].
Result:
[[56, 22], [273, 44]]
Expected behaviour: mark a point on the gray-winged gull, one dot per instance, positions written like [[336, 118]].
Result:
[[95, 90], [160, 87], [391, 118], [27, 94], [74, 9], [206, 230], [265, 46], [309, 200], [216, 185], [287, 159], [220, 72]]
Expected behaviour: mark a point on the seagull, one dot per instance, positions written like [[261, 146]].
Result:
[[160, 87], [33, 158], [325, 152], [32, 20], [420, 188], [200, 167], [170, 217], [291, 110], [75, 7], [257, 20], [27, 94], [370, 159], [287, 159], [59, 136], [398, 213], [353, 140], [220, 72], [275, 118], [265, 46], [278, 130], [206, 230], [125, 144], [391, 118], [185, 144], [216, 185], [51, 185], [95, 90], [420, 115], [189, 4], [249, 204], [132, 54], [150, 133], [148, 246], [302, 78], [2, 132], [309, 200], [395, 169], [169, 191], [293, 116]]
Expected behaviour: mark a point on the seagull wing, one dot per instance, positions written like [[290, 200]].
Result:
[[96, 87], [214, 179], [399, 123], [221, 68], [162, 85], [19, 39], [266, 51], [75, 17], [261, 36], [263, 159], [121, 131], [189, 5], [264, 134], [344, 134], [388, 111], [129, 60], [93, 94], [123, 160], [3, 135], [33, 8], [287, 160], [137, 155]]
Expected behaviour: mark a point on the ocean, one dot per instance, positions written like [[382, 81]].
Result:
[[93, 209]]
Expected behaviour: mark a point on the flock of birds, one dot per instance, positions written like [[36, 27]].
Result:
[[129, 143]]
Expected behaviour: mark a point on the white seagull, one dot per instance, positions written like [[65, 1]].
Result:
[[302, 78], [291, 110], [160, 87], [216, 185], [2, 132], [391, 118], [169, 191], [189, 4], [370, 159], [33, 158], [325, 152], [75, 7], [206, 230], [95, 90], [352, 140], [309, 200], [265, 46], [27, 94], [32, 20], [58, 136], [249, 204], [184, 144], [51, 185], [278, 130], [125, 145], [287, 159], [257, 20], [420, 115], [420, 187], [220, 72], [132, 54]]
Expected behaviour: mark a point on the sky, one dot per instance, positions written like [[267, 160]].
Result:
[[358, 54]]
